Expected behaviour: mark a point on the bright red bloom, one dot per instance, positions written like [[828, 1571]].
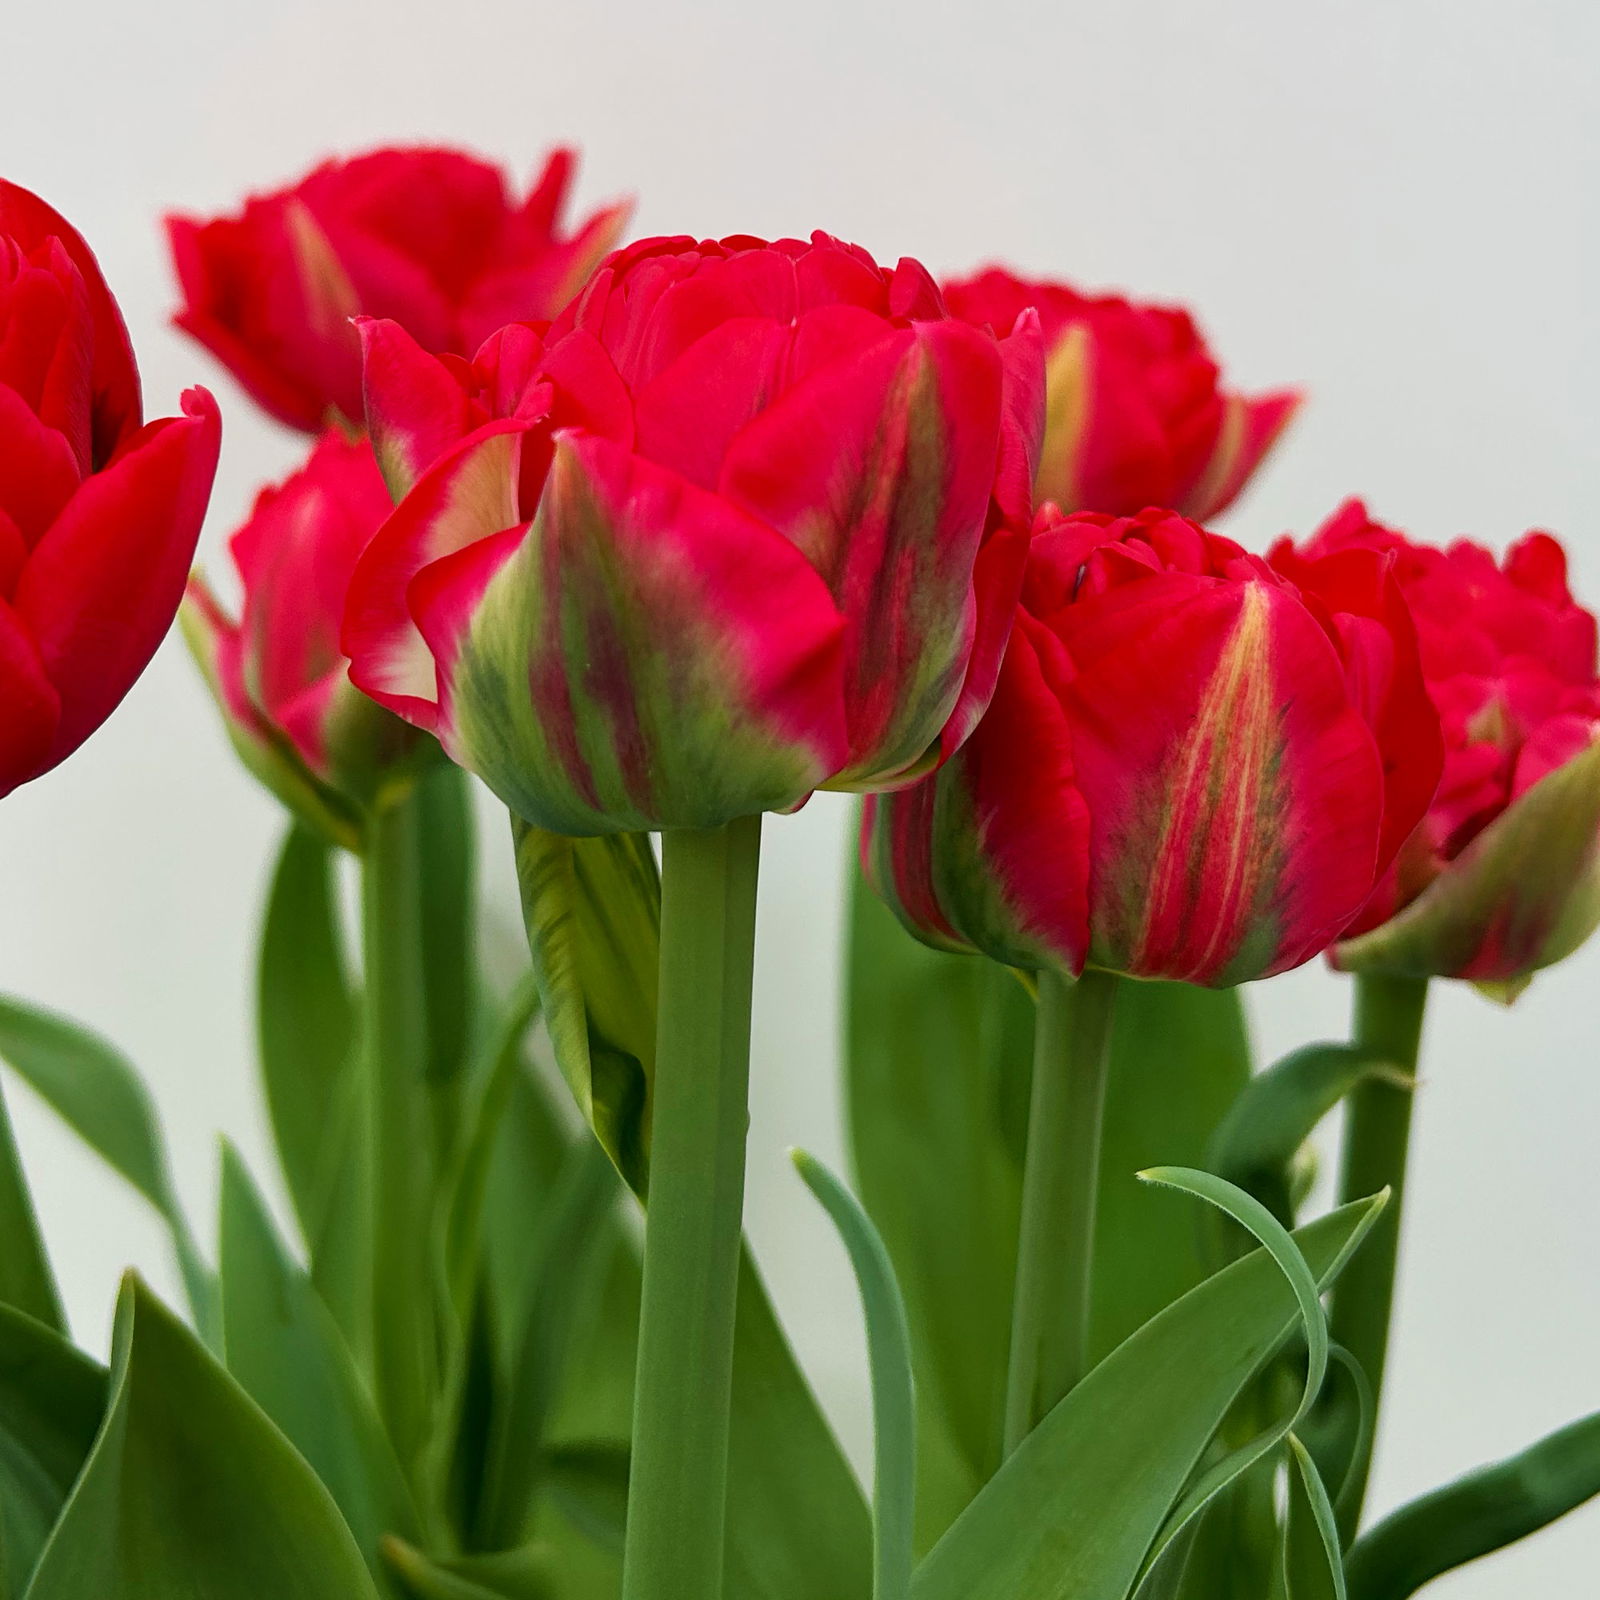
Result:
[[431, 238], [98, 514], [749, 521], [1192, 768], [1503, 875], [1136, 415], [279, 676]]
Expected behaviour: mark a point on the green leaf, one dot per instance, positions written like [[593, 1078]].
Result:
[[446, 885], [282, 1346], [570, 1252], [589, 1484], [52, 1398], [1312, 1564], [1339, 1432], [26, 1281], [1074, 1512], [938, 1061], [1480, 1513], [893, 1400], [1256, 1145], [92, 1087], [516, 1575], [306, 1026], [592, 908], [937, 1081], [190, 1490], [1180, 1055]]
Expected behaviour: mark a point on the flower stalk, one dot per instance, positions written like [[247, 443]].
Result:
[[677, 1506], [1055, 1256]]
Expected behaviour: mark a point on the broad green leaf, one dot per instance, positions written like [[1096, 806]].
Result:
[[306, 1027], [592, 908], [893, 1402], [938, 1061], [937, 1082], [516, 1575], [1257, 1142], [52, 1398], [190, 1490], [92, 1087], [1480, 1513], [1180, 1055], [1075, 1510], [1313, 1568], [589, 1485], [26, 1281], [282, 1346], [570, 1254], [447, 864]]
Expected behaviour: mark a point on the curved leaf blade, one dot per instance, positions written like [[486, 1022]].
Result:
[[26, 1279], [1477, 1514], [1313, 1568], [893, 1394], [190, 1490]]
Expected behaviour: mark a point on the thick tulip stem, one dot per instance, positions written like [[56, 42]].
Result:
[[677, 1499], [1055, 1252], [1388, 1021], [399, 1140]]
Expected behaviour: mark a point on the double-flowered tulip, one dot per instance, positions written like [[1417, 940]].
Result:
[[1137, 415], [432, 238], [749, 520], [278, 674], [99, 513], [1503, 875], [1193, 767]]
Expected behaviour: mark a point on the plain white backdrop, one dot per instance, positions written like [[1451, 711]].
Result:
[[1389, 201]]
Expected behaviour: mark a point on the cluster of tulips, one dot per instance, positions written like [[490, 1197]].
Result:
[[652, 540]]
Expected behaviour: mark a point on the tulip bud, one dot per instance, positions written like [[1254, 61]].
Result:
[[748, 521], [1136, 415], [431, 238], [98, 515], [1192, 767], [1502, 877], [278, 675]]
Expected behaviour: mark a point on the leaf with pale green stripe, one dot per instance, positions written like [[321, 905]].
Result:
[[1476, 1515], [190, 1490], [52, 1398], [94, 1089], [26, 1279], [893, 1399], [1076, 1510], [592, 908]]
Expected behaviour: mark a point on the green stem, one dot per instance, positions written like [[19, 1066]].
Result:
[[677, 1502], [1388, 1021], [399, 1150], [1055, 1250]]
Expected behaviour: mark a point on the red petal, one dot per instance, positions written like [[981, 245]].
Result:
[[101, 588], [416, 404], [32, 707], [1249, 430], [38, 469]]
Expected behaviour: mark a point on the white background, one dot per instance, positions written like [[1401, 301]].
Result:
[[1391, 201]]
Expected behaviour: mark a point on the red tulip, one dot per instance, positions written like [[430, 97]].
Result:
[[431, 238], [1192, 767], [278, 674], [98, 514], [1136, 415], [749, 522], [1503, 875]]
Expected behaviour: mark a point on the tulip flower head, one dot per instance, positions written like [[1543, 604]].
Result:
[[1502, 877], [432, 238], [278, 674], [748, 521], [1192, 768], [1137, 415], [99, 513]]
